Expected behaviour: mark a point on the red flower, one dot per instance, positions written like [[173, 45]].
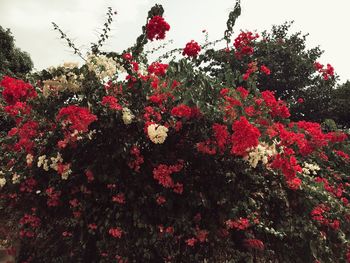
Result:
[[326, 73], [243, 92], [202, 235], [119, 198], [79, 118], [127, 56], [243, 44], [300, 100], [178, 188], [241, 224], [206, 147], [330, 70], [252, 67], [92, 226], [112, 102], [244, 137], [135, 164], [115, 232], [277, 108], [221, 135], [294, 184], [18, 108], [342, 154], [254, 243], [156, 28], [191, 242], [16, 90], [318, 66], [158, 69], [89, 175], [162, 174], [161, 200], [192, 49], [265, 70], [181, 111]]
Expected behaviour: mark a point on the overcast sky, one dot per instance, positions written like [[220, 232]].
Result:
[[30, 22]]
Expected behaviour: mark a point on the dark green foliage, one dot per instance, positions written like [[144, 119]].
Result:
[[13, 61]]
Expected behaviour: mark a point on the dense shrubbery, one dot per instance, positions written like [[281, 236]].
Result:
[[170, 164]]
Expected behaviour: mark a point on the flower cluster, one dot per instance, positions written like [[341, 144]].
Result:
[[244, 44], [157, 69], [156, 28], [162, 174], [104, 67], [75, 118], [326, 72], [192, 49], [245, 136], [16, 90], [157, 133], [181, 111]]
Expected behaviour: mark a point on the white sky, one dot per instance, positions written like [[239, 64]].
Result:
[[30, 22]]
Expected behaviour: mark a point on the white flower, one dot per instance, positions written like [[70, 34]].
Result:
[[55, 161], [70, 65], [15, 178], [91, 134], [2, 182], [260, 153], [65, 174], [29, 159], [310, 168], [157, 133], [127, 116], [41, 160], [105, 68]]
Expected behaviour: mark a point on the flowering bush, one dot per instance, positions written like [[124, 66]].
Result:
[[168, 165]]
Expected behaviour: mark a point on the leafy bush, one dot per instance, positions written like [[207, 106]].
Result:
[[168, 164]]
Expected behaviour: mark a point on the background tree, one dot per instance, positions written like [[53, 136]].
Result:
[[293, 75], [340, 107], [13, 61]]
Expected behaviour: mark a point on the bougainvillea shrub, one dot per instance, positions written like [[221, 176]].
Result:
[[121, 160]]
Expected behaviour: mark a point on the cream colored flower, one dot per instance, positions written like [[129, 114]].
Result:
[[15, 178], [66, 172], [29, 159], [41, 160], [2, 182], [70, 65], [157, 133], [105, 68], [127, 116], [310, 168], [55, 161], [260, 153]]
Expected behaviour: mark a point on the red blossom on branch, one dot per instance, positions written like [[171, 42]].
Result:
[[192, 49], [156, 28]]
